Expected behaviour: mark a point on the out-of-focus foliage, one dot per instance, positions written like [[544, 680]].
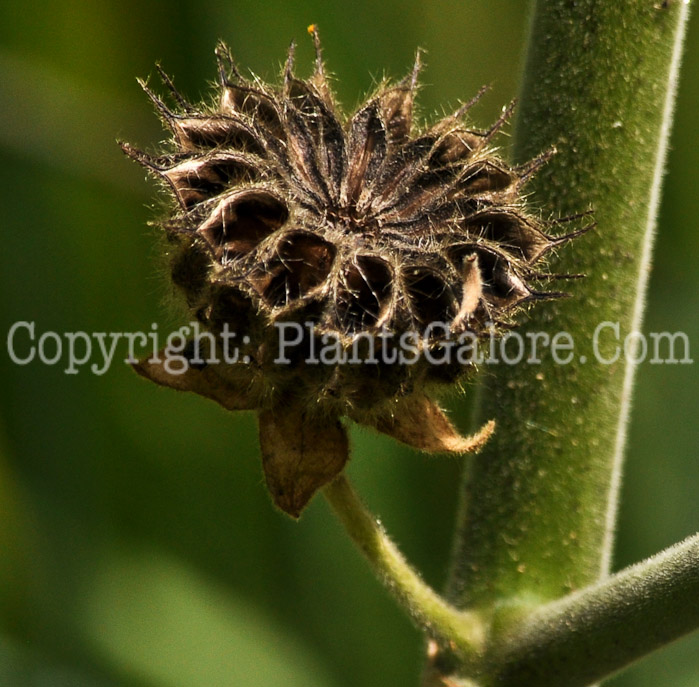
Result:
[[137, 543]]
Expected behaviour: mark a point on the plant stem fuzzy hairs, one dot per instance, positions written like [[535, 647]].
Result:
[[368, 227]]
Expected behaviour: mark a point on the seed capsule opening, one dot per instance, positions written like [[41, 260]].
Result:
[[431, 298], [364, 296], [215, 131], [241, 221], [299, 263]]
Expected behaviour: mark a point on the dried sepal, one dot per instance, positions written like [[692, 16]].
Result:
[[420, 423], [235, 391], [301, 453]]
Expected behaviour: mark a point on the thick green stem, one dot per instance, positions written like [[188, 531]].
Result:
[[462, 629], [604, 627], [539, 503]]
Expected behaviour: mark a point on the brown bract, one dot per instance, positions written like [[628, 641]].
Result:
[[360, 229]]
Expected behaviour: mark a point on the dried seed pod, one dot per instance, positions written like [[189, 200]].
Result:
[[369, 228]]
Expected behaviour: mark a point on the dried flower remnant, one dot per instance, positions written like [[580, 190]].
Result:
[[289, 212]]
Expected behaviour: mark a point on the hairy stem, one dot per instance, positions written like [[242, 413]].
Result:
[[538, 505], [606, 626], [462, 629]]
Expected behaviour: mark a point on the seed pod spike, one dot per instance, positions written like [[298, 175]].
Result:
[[319, 67], [573, 218], [226, 65], [289, 66], [507, 112], [166, 114], [396, 104], [165, 78], [470, 103], [138, 155], [530, 168], [556, 241], [410, 81], [319, 78]]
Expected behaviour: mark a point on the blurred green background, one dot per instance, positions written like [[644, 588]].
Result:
[[137, 542]]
